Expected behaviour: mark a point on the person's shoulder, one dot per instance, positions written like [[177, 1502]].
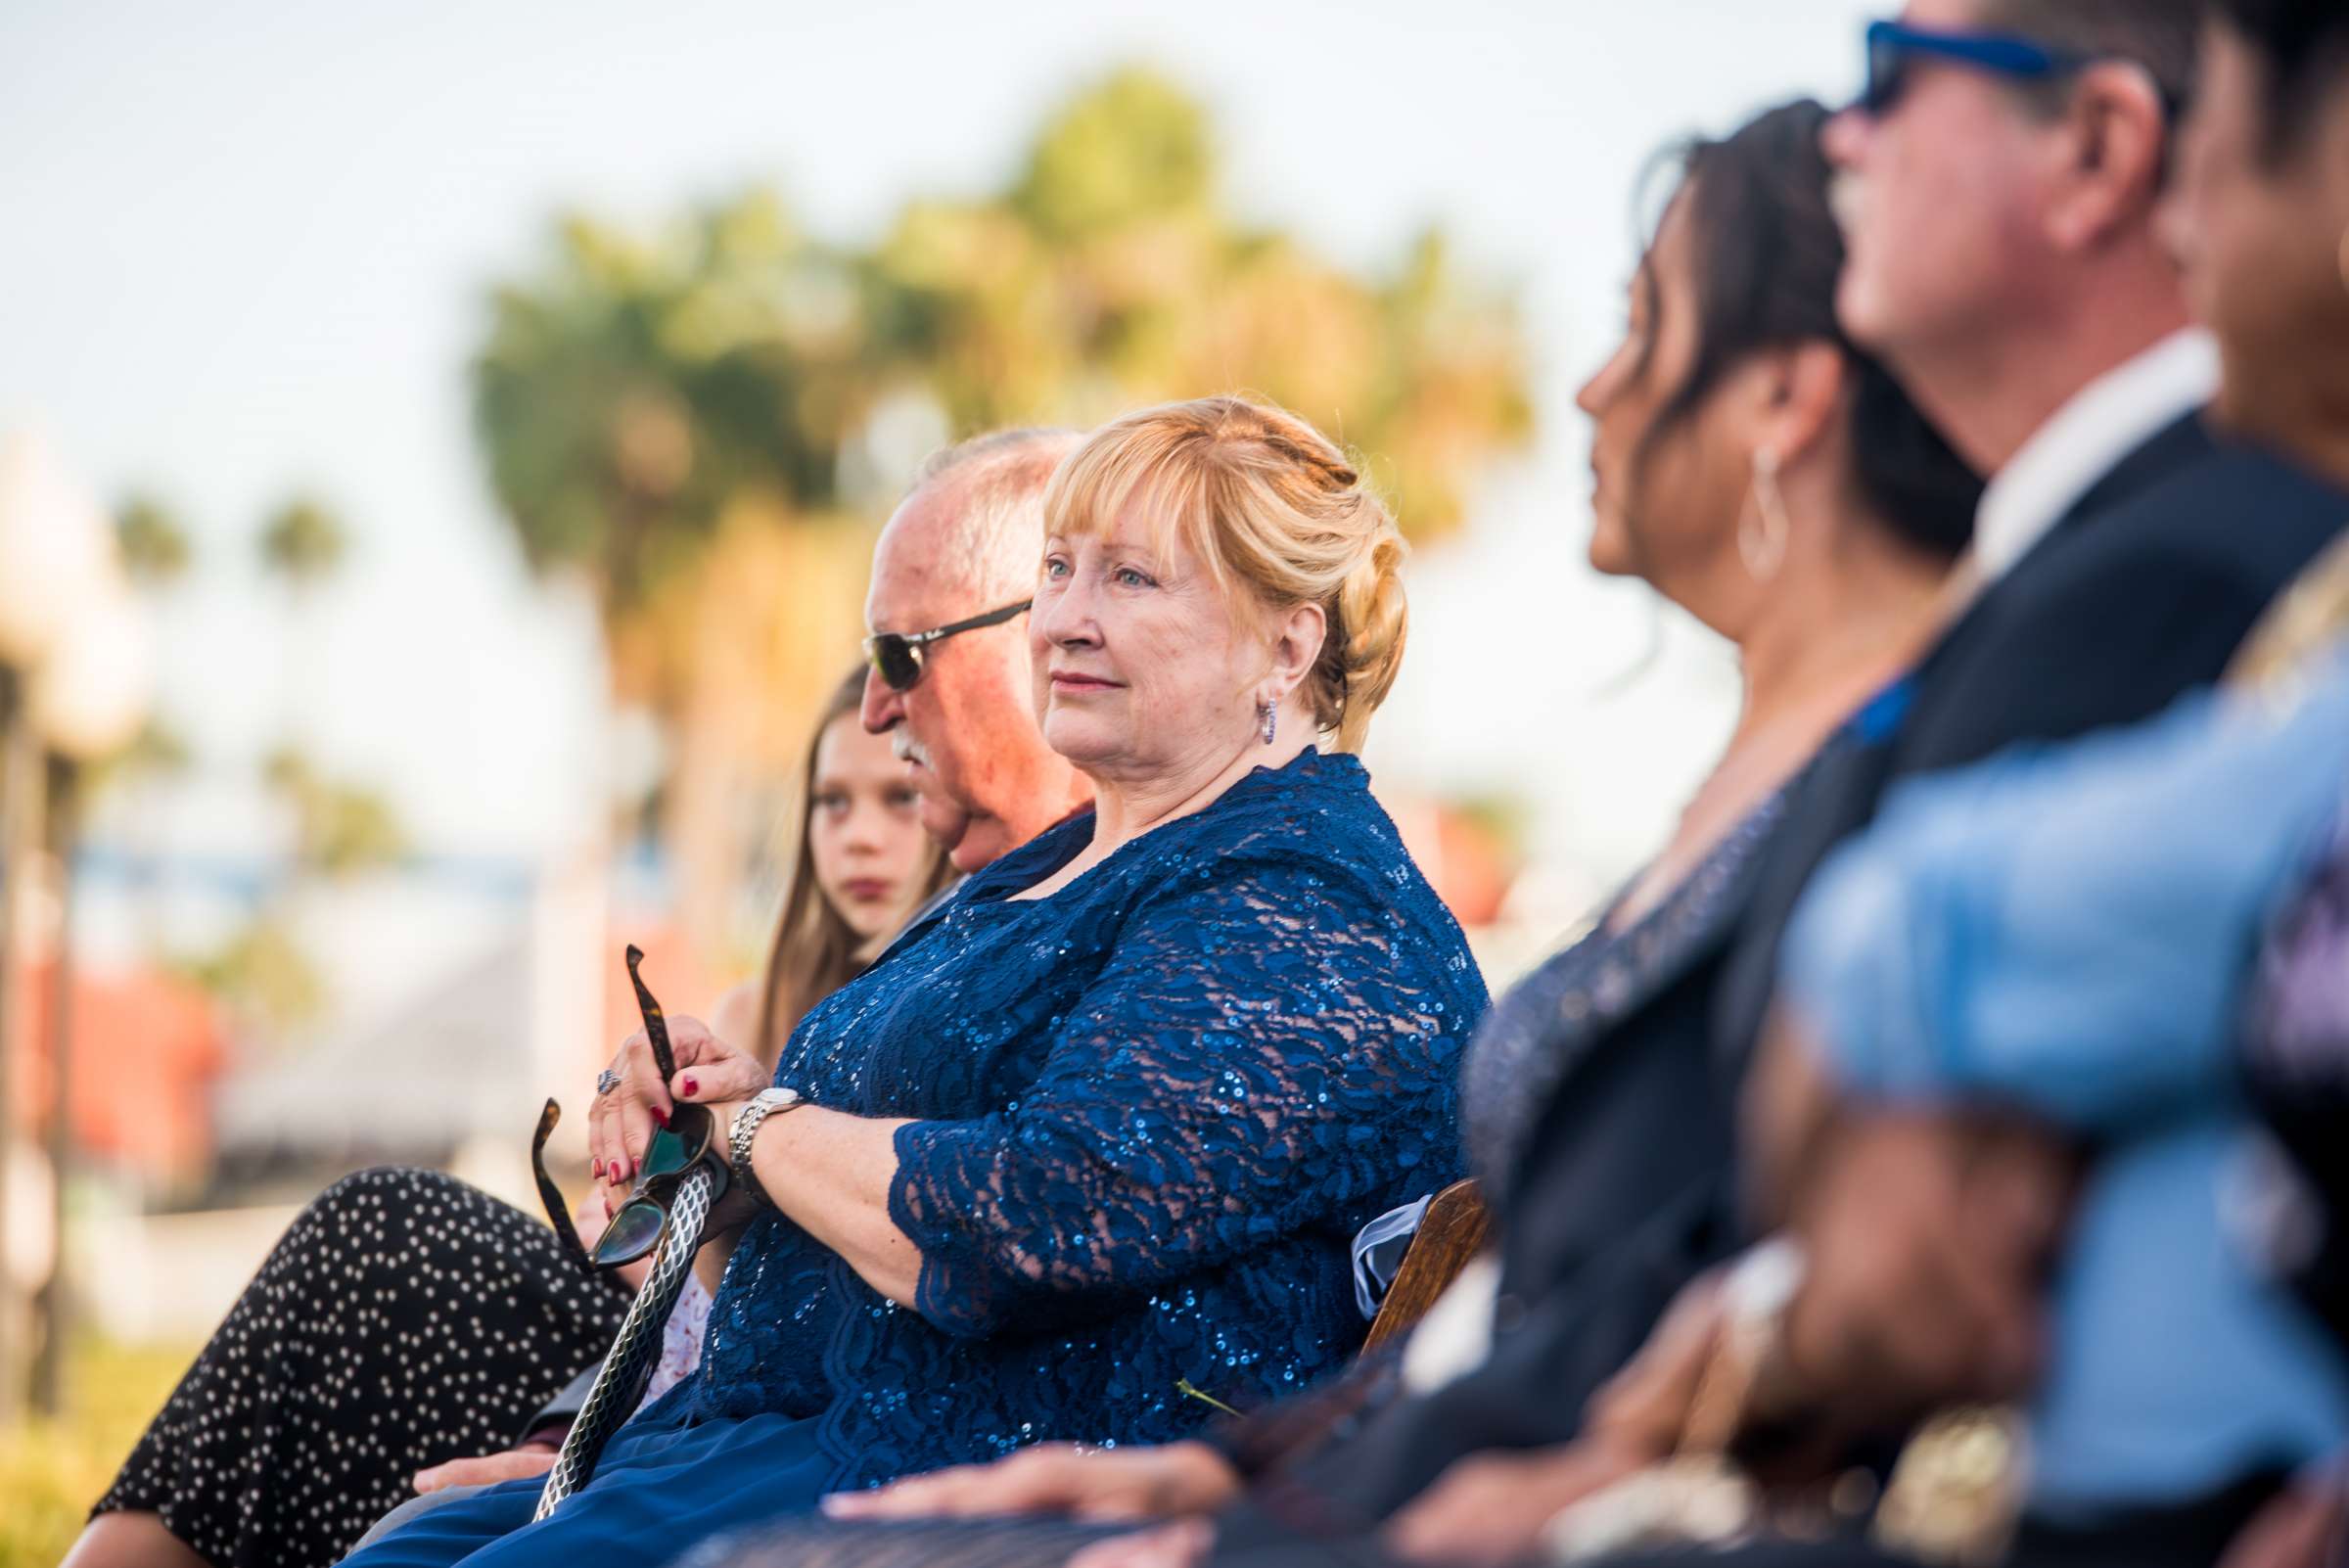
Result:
[[2133, 604], [2234, 510], [2215, 539], [1312, 821], [1315, 810]]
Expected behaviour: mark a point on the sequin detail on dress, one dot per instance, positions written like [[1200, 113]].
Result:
[[1150, 1107]]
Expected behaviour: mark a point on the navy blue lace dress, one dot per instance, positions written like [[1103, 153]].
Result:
[[1151, 1110]]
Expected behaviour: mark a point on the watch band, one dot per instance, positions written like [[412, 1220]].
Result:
[[745, 1130]]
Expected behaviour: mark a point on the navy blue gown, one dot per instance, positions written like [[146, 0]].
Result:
[[1150, 1111]]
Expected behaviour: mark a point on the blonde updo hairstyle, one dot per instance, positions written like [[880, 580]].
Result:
[[1264, 499]]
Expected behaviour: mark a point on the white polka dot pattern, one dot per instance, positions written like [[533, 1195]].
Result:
[[404, 1318]]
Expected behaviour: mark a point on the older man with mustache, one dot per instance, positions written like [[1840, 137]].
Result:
[[952, 574]]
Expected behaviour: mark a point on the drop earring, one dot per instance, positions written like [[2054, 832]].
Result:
[[1269, 716], [1763, 551]]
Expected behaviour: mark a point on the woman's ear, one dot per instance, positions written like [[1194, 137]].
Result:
[[1298, 633], [1807, 385]]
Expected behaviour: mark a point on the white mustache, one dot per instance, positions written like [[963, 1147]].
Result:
[[906, 749], [1847, 200]]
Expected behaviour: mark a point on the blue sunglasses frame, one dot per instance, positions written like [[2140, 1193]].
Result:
[[1890, 44]]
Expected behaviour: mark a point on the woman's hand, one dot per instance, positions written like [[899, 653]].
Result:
[[622, 1122], [1928, 1236], [532, 1458], [1058, 1478], [1491, 1509], [1185, 1543], [2304, 1526], [1646, 1408]]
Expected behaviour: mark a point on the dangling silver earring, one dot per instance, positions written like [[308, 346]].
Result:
[[1764, 551], [1270, 715]]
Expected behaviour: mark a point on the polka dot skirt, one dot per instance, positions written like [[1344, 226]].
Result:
[[403, 1318]]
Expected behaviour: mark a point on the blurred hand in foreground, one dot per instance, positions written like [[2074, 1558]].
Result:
[[2306, 1525], [1491, 1509], [1058, 1478], [1928, 1238], [1185, 1543], [1928, 1233]]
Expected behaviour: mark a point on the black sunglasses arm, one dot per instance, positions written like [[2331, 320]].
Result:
[[994, 617]]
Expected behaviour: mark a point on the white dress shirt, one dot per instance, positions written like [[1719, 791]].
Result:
[[2080, 444]]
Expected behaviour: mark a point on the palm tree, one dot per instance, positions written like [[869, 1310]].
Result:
[[157, 556], [304, 542], [154, 548], [341, 828]]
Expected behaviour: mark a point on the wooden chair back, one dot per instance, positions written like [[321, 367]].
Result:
[[1453, 1231]]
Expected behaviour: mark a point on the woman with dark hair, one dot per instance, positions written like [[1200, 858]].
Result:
[[1759, 472], [311, 1412]]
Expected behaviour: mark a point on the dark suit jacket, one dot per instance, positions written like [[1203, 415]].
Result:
[[2140, 592]]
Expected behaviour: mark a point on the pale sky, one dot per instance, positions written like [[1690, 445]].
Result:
[[246, 247]]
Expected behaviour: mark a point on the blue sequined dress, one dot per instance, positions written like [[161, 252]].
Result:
[[1151, 1109]]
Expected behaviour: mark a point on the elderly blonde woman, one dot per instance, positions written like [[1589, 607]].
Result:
[[1092, 1135]]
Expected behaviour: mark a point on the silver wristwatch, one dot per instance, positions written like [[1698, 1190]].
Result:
[[746, 1122]]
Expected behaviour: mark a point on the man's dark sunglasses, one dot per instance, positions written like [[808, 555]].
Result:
[[896, 656], [688, 1140], [1893, 46]]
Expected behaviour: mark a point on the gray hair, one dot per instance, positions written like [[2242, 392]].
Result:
[[1000, 483]]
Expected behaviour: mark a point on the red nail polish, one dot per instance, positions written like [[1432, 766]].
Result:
[[599, 1169], [691, 1087], [661, 1116]]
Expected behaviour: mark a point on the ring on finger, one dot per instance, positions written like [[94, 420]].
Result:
[[606, 1082]]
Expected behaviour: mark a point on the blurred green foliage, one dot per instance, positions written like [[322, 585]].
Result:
[[341, 828], [155, 551], [302, 542], [262, 974], [52, 1470]]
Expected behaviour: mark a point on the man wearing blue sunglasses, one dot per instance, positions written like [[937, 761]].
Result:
[[2003, 176], [2000, 174], [1894, 46]]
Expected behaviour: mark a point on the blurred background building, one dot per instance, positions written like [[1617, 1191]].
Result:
[[441, 445]]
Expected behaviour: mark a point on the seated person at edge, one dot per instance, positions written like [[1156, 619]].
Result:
[[311, 1413], [1095, 1132]]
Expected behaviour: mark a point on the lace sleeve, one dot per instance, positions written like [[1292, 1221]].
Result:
[[1258, 1054]]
